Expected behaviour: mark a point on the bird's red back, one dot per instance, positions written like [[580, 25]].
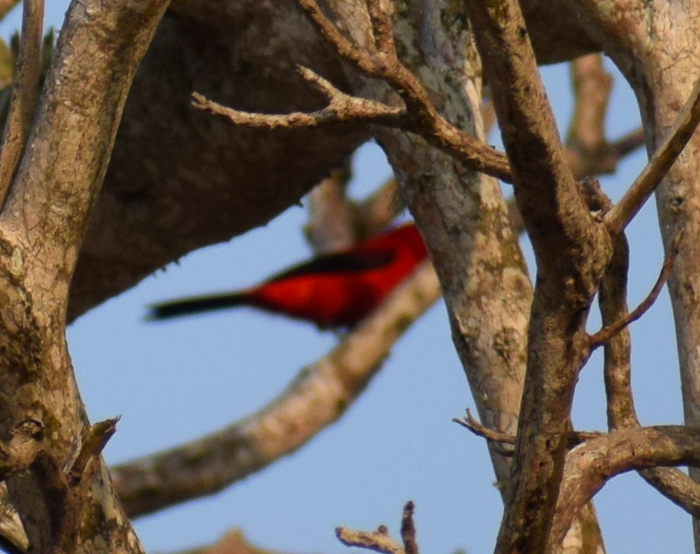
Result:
[[340, 289]]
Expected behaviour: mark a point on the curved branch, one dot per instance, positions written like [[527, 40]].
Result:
[[589, 466], [671, 482]]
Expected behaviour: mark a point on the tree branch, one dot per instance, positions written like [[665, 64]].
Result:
[[420, 116], [378, 540], [611, 330], [61, 174], [6, 6], [341, 108], [25, 92], [408, 529], [659, 164], [589, 466], [319, 395], [93, 441], [671, 482], [588, 151], [41, 228]]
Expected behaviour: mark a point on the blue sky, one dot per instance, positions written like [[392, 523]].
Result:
[[175, 381]]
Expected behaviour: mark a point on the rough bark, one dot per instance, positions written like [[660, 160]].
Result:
[[49, 455]]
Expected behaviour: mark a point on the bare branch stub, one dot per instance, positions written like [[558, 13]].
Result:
[[408, 529], [469, 422], [379, 540], [93, 441]]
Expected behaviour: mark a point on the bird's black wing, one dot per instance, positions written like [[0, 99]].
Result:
[[341, 262]]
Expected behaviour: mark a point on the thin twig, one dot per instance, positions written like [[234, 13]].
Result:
[[341, 108], [670, 482], [25, 92], [469, 422], [628, 143], [657, 168], [606, 333], [333, 36]]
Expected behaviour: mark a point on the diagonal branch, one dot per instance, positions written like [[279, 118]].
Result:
[[6, 7], [657, 168], [609, 331], [320, 394]]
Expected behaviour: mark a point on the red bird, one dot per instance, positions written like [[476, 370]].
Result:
[[332, 291]]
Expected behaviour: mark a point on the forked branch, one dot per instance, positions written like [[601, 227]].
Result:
[[379, 540]]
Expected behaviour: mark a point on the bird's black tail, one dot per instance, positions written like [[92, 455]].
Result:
[[195, 305]]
